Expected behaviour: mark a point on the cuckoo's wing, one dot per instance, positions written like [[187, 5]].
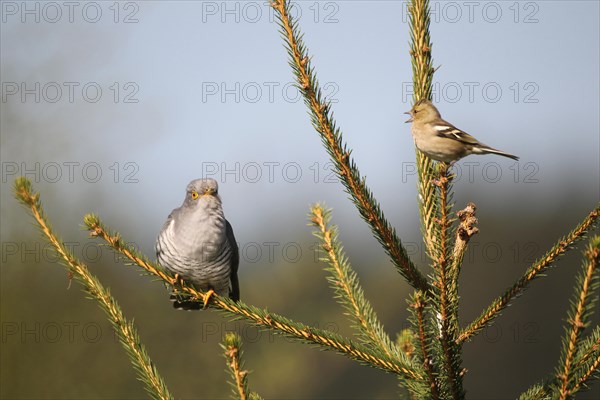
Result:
[[235, 262], [168, 222]]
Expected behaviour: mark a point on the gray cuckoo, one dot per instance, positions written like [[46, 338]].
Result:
[[197, 244]]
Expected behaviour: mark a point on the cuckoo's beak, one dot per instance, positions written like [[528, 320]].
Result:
[[410, 119], [209, 192]]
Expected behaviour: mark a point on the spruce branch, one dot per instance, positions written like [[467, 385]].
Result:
[[584, 367], [332, 139], [586, 364], [466, 228], [417, 309], [422, 68], [232, 347], [536, 392], [345, 282], [428, 203], [125, 330], [536, 269], [420, 48], [579, 315], [262, 318], [434, 189], [405, 341], [446, 304]]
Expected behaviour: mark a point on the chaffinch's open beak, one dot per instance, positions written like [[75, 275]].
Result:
[[410, 119]]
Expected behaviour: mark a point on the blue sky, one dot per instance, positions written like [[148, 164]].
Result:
[[201, 88], [176, 90]]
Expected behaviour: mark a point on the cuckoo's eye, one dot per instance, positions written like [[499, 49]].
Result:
[[195, 195]]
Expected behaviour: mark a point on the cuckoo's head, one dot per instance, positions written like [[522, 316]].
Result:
[[202, 193]]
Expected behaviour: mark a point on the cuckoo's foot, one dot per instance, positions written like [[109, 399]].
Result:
[[207, 297], [178, 280]]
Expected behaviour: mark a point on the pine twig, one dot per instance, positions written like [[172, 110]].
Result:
[[262, 318], [345, 282], [466, 228], [587, 362], [435, 208], [232, 347], [428, 203], [448, 305], [125, 329], [420, 48], [536, 269], [579, 315], [422, 68], [331, 137], [536, 392], [418, 308]]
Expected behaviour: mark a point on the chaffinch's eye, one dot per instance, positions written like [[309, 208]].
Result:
[[195, 195]]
